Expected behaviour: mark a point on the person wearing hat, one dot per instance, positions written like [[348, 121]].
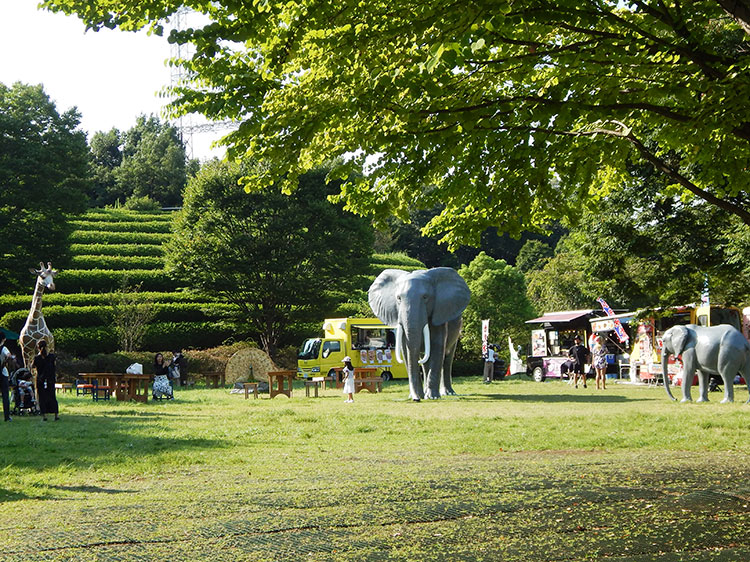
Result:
[[579, 354], [348, 375]]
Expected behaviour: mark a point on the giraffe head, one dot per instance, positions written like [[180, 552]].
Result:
[[45, 275]]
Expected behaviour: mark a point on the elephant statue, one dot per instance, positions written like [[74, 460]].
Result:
[[426, 307], [715, 350]]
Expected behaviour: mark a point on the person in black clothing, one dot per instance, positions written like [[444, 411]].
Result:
[[44, 363], [579, 354], [5, 359]]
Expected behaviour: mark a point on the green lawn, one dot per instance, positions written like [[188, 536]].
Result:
[[511, 471]]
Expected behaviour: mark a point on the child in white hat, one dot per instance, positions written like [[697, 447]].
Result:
[[348, 373]]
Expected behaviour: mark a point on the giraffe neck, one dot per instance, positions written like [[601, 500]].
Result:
[[36, 304]]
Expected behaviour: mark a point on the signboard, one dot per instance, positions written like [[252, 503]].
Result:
[[538, 343]]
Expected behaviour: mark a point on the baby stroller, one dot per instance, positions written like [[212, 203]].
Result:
[[24, 396]]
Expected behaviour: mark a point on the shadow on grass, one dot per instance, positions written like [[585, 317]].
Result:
[[90, 489], [557, 398], [79, 441]]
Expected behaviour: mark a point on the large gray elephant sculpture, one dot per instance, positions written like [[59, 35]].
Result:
[[715, 350], [426, 307]]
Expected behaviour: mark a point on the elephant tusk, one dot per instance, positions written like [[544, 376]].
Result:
[[426, 336], [399, 344]]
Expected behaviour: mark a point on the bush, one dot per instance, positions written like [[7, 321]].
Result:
[[125, 215], [103, 281], [117, 249], [143, 203], [160, 335], [145, 225], [397, 260], [102, 236], [116, 262], [10, 303]]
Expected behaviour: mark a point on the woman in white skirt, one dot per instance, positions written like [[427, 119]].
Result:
[[348, 375]]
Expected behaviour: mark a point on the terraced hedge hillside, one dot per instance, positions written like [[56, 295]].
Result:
[[113, 247]]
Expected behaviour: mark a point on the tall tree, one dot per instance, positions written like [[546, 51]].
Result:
[[509, 113], [498, 293], [43, 180], [280, 259], [106, 157], [154, 162]]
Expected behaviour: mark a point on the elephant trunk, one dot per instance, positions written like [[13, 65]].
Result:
[[426, 336], [665, 371]]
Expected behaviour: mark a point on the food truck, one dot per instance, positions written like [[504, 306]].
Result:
[[645, 357], [368, 342], [551, 339]]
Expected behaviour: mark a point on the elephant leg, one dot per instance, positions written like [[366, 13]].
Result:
[[688, 374], [435, 363], [446, 382], [728, 379], [702, 386]]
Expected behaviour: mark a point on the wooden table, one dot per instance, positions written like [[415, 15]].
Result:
[[314, 384], [280, 382], [216, 379], [124, 385], [247, 386]]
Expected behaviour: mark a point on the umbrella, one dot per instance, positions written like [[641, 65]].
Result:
[[8, 334]]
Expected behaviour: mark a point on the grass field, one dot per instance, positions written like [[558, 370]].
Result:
[[510, 471]]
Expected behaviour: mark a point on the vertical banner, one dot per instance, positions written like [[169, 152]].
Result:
[[619, 330], [485, 336]]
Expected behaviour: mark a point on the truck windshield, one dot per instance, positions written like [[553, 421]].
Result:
[[309, 349]]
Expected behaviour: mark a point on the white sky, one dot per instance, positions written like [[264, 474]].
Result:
[[110, 76]]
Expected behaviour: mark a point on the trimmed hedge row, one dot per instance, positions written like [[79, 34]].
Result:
[[396, 260], [105, 281], [125, 215], [87, 316], [117, 262], [123, 226], [117, 249], [105, 237], [164, 335], [9, 303]]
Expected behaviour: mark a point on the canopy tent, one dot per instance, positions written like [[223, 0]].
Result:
[[9, 334]]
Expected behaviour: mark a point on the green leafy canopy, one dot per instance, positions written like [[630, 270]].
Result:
[[507, 113]]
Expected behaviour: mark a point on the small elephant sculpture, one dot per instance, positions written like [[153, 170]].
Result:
[[714, 350], [426, 307]]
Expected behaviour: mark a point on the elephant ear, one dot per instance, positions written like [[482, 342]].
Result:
[[452, 294], [382, 295], [682, 337]]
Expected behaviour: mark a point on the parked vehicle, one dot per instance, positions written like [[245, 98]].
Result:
[[368, 342]]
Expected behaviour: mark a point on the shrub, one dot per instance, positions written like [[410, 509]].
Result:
[[102, 281], [397, 260], [143, 203], [102, 236], [122, 226], [117, 249], [116, 262], [125, 215]]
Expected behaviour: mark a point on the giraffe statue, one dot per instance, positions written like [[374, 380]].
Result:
[[35, 329]]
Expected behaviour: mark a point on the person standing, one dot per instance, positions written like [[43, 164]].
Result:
[[5, 357], [182, 364], [44, 363], [348, 375], [489, 364], [599, 360], [579, 354]]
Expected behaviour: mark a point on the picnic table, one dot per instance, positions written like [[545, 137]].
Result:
[[125, 386]]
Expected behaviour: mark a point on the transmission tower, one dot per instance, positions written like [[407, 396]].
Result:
[[185, 124]]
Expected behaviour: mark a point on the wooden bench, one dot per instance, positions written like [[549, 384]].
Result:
[[64, 386], [373, 384], [280, 382], [215, 379], [247, 386], [314, 384]]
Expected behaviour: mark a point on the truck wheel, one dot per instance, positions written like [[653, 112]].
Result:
[[387, 376], [538, 374], [332, 373]]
